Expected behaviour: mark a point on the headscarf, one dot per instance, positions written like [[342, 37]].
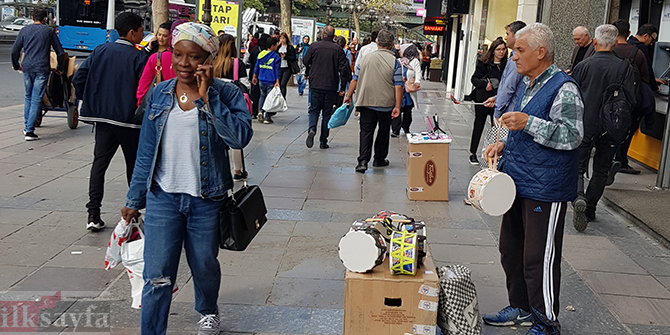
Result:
[[304, 45], [199, 34], [174, 25], [409, 52]]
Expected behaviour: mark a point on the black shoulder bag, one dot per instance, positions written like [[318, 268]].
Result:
[[139, 112], [241, 217]]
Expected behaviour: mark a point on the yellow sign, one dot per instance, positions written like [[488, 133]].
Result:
[[224, 16], [342, 32]]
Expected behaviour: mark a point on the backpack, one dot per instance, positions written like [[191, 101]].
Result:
[[616, 110]]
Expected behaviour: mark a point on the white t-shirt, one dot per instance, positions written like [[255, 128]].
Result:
[[284, 63], [178, 168]]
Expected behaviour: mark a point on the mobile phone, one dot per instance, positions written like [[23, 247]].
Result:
[[207, 61]]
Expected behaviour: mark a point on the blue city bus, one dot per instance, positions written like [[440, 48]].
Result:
[[85, 24]]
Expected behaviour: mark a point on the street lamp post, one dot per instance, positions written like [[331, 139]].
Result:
[[372, 18], [207, 12], [328, 11]]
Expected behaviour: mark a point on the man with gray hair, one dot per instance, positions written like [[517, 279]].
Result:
[[541, 156], [583, 48], [594, 75], [380, 89]]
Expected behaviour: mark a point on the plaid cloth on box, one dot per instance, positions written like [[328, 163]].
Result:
[[458, 313]]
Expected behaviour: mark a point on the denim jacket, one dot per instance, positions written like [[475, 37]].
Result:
[[224, 123]]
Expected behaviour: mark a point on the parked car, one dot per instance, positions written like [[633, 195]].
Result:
[[7, 21], [18, 24]]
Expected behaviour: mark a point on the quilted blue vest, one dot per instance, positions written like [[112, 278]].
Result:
[[539, 172]]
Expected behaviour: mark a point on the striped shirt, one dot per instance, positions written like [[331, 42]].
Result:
[[565, 128]]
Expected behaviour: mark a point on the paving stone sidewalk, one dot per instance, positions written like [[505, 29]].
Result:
[[290, 280]]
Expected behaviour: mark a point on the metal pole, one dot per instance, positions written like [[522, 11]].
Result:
[[207, 12], [240, 25], [663, 176]]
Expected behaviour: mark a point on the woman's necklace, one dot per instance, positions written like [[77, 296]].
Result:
[[183, 98]]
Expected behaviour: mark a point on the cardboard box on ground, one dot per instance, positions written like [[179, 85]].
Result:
[[428, 171], [380, 303]]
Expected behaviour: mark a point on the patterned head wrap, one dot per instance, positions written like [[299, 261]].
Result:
[[199, 34]]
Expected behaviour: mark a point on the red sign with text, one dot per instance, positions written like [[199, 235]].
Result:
[[433, 30]]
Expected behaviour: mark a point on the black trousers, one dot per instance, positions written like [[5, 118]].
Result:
[[425, 69], [403, 121], [369, 119], [284, 77], [531, 240], [108, 138], [481, 113], [605, 151], [622, 151], [255, 98]]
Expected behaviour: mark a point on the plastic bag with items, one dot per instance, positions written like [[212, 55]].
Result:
[[275, 102], [341, 115], [119, 236]]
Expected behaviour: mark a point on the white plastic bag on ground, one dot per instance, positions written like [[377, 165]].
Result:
[[274, 102], [119, 236]]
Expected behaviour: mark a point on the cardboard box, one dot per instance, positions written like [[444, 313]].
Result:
[[428, 171], [379, 303]]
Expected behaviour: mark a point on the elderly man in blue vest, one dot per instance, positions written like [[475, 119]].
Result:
[[541, 156]]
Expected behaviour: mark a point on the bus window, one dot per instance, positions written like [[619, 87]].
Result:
[[83, 13]]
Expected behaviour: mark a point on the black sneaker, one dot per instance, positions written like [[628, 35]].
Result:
[[473, 159], [310, 138], [628, 170], [30, 136], [240, 177], [362, 166], [579, 219], [377, 163], [614, 168], [95, 223], [324, 146], [268, 120], [395, 134]]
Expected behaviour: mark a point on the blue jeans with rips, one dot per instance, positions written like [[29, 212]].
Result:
[[35, 84], [173, 221]]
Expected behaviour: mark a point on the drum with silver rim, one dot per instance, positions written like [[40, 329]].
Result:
[[362, 250], [492, 192]]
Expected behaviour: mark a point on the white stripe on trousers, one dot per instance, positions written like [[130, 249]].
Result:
[[549, 258]]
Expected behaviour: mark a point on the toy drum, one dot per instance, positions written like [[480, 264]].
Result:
[[420, 229], [403, 253], [362, 250], [492, 192]]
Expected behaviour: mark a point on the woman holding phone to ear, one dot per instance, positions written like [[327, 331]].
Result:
[[182, 174]]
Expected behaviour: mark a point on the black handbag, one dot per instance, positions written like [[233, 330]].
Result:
[[241, 217]]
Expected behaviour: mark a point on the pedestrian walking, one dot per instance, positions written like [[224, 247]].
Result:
[[645, 36], [511, 83], [302, 51], [36, 41], [182, 174], [342, 42], [327, 67], [583, 48], [411, 68], [289, 62], [163, 49], [541, 156], [255, 88], [353, 50], [111, 68], [224, 67], [367, 48], [161, 40], [594, 75], [266, 75], [425, 62], [378, 79], [486, 80]]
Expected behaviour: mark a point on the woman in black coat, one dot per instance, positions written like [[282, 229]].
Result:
[[485, 80], [289, 61]]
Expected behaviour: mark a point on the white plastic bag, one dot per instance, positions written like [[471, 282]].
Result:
[[132, 255], [119, 236], [274, 102]]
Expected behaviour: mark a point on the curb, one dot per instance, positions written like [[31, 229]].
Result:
[[637, 222]]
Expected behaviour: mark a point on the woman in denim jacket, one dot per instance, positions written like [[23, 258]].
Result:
[[181, 175]]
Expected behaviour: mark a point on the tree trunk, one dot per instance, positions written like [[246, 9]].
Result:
[[160, 12], [285, 6], [357, 24]]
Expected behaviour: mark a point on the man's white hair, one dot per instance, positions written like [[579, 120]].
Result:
[[581, 30], [538, 35], [606, 35]]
